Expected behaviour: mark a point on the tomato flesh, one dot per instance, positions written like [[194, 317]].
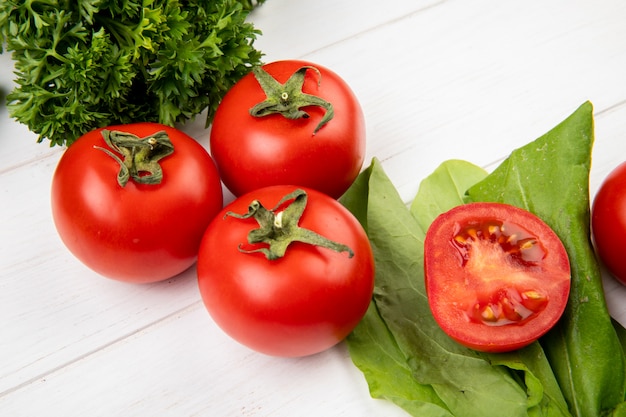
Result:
[[497, 277], [482, 245]]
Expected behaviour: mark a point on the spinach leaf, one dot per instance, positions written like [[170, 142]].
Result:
[[444, 189], [374, 350], [403, 352], [550, 177], [465, 381], [372, 346]]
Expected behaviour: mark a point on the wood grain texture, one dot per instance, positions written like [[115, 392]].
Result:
[[437, 80]]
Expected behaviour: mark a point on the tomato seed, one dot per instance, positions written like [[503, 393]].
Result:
[[488, 314], [519, 244], [508, 306], [460, 239], [534, 300]]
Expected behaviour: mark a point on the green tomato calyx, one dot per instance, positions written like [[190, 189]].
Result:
[[288, 99], [140, 155], [278, 229]]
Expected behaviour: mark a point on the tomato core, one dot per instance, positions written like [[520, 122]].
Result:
[[493, 251]]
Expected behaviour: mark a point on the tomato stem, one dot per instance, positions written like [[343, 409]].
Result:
[[140, 155], [287, 99], [279, 229]]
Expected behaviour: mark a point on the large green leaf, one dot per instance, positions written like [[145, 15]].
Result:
[[550, 178], [466, 383], [374, 349], [443, 189], [405, 356]]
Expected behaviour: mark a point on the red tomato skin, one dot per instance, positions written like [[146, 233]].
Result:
[[255, 152], [139, 233], [448, 300], [608, 221], [298, 305]]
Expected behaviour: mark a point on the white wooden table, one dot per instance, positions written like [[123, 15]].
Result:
[[437, 80]]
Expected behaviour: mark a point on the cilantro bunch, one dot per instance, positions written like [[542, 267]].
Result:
[[83, 64]]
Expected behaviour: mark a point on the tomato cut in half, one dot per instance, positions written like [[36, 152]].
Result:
[[497, 277]]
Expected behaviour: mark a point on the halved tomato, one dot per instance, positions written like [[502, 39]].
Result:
[[497, 277]]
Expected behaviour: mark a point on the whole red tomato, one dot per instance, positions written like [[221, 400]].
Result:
[[283, 297], [142, 223], [307, 128], [608, 220], [497, 277]]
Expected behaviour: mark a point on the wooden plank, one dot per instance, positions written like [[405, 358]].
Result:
[[314, 28], [185, 366], [52, 308], [474, 80], [437, 80], [292, 30]]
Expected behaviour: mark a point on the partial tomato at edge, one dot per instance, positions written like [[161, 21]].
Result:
[[608, 220], [299, 304], [497, 277], [255, 152], [140, 232]]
